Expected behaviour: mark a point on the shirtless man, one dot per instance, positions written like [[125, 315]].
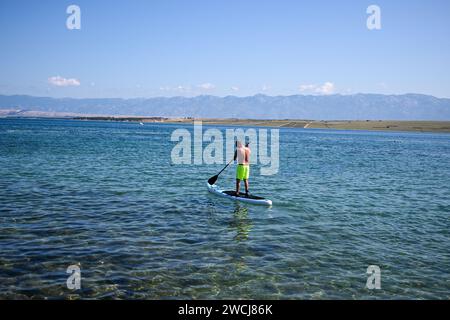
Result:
[[242, 155]]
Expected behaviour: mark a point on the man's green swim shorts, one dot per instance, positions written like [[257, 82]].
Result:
[[242, 171]]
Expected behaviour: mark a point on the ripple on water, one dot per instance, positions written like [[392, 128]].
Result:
[[103, 196]]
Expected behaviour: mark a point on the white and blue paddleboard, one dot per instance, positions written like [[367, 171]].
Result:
[[241, 197]]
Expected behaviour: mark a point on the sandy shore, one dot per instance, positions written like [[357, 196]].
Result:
[[381, 125]]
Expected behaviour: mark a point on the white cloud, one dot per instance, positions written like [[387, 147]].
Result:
[[63, 82], [206, 86], [177, 89], [324, 89], [182, 89], [307, 87], [234, 88], [265, 87]]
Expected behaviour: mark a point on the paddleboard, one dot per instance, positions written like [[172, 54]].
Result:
[[232, 196]]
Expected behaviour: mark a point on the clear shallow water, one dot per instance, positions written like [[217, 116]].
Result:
[[105, 196]]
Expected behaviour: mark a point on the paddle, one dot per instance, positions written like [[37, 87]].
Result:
[[213, 179]]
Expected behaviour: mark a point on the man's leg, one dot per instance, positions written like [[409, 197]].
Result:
[[238, 185], [246, 186]]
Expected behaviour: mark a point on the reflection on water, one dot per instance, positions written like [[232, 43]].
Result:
[[241, 222]]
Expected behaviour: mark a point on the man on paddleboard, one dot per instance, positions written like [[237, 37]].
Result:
[[242, 155]]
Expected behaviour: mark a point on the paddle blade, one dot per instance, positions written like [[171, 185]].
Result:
[[213, 180]]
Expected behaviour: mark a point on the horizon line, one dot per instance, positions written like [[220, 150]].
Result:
[[227, 96]]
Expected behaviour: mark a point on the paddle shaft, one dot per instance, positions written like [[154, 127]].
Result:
[[213, 179], [225, 166]]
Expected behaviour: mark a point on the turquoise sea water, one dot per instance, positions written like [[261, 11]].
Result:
[[105, 196]]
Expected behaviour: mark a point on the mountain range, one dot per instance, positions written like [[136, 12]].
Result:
[[313, 107]]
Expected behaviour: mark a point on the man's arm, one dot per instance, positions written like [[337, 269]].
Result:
[[247, 155]]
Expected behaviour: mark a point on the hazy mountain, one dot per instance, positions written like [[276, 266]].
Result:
[[337, 107]]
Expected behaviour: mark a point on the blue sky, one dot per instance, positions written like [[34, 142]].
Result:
[[168, 48]]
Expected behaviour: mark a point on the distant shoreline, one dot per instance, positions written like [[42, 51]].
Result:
[[375, 125], [371, 125]]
